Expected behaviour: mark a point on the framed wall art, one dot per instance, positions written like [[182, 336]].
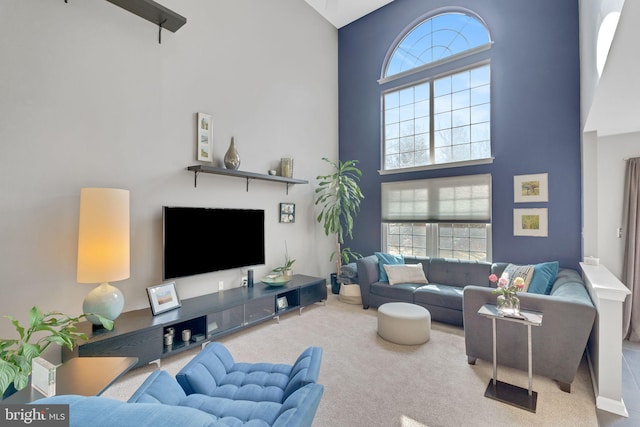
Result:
[[531, 188], [530, 222], [163, 297], [287, 212], [205, 135]]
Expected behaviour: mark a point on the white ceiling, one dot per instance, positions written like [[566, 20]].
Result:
[[343, 12]]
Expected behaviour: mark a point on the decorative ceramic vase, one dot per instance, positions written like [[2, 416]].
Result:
[[287, 273], [508, 305], [232, 158], [168, 339], [286, 167]]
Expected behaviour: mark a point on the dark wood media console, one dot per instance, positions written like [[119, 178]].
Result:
[[140, 334]]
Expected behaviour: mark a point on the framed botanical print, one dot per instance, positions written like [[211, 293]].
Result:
[[531, 188], [530, 222]]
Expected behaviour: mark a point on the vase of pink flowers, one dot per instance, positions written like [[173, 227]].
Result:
[[508, 302]]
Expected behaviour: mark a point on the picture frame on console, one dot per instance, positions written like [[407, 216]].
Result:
[[531, 188], [163, 297], [530, 222], [204, 141], [282, 303]]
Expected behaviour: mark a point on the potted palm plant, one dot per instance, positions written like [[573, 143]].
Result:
[[338, 195], [44, 329]]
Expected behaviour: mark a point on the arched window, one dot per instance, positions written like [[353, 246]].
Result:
[[436, 105], [436, 94], [436, 39]]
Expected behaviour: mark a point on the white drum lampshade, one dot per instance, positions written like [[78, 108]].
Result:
[[103, 249]]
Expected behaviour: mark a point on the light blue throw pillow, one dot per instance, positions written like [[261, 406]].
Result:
[[544, 274], [387, 259]]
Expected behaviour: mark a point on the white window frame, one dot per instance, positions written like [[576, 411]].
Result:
[[432, 246], [427, 73], [431, 131]]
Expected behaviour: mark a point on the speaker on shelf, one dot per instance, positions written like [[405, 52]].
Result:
[[250, 278]]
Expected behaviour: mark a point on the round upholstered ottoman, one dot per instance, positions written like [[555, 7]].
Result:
[[404, 323]]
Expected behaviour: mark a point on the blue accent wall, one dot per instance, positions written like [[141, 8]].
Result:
[[535, 117]]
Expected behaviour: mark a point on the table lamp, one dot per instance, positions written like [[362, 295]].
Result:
[[103, 249]]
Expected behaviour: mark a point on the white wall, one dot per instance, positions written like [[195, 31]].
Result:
[[612, 151], [89, 98], [607, 102], [598, 216], [592, 13]]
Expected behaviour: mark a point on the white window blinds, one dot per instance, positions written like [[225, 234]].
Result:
[[454, 199]]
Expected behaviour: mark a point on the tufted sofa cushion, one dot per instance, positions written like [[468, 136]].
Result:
[[459, 273], [439, 295], [298, 409], [213, 372], [147, 409], [235, 412]]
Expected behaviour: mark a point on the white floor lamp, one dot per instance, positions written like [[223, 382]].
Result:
[[103, 249]]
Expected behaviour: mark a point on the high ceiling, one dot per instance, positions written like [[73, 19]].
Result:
[[343, 12]]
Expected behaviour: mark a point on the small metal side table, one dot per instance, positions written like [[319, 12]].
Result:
[[504, 392]]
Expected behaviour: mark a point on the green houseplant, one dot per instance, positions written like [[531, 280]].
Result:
[[285, 270], [44, 329], [338, 195]]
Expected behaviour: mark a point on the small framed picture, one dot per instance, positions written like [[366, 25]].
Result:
[[163, 297], [531, 188], [204, 139], [530, 222], [287, 212], [282, 303]]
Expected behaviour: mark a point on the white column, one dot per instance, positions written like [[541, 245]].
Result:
[[605, 344]]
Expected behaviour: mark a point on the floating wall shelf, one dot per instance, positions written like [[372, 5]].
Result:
[[153, 12], [242, 174]]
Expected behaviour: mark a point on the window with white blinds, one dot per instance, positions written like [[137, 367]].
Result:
[[459, 199]]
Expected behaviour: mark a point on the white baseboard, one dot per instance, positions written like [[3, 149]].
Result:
[[606, 404], [614, 406]]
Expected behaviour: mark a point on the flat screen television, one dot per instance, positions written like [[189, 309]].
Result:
[[201, 240]]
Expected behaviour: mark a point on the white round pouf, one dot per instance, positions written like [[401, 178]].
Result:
[[404, 323]]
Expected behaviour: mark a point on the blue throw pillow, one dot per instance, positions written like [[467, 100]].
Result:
[[544, 275], [387, 259]]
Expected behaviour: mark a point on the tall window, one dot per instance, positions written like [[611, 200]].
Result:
[[440, 217], [435, 90], [443, 115]]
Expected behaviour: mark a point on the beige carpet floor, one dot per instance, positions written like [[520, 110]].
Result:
[[371, 382]]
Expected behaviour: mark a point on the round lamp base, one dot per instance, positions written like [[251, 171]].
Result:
[[105, 300]]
